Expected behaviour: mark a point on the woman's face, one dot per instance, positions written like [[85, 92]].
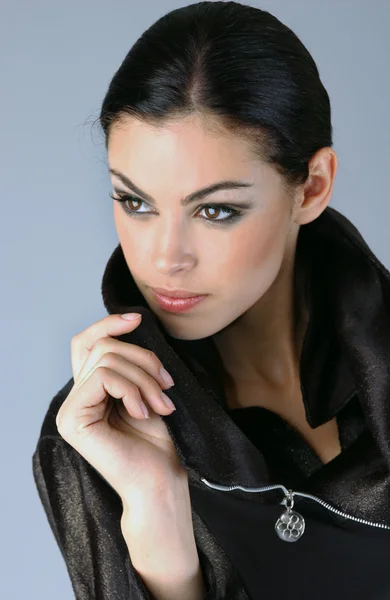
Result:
[[193, 247]]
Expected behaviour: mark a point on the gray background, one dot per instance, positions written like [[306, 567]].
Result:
[[57, 229]]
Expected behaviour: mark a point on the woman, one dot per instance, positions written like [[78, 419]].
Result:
[[219, 144]]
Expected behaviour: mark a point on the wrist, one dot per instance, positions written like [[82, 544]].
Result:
[[163, 553], [159, 533], [170, 499]]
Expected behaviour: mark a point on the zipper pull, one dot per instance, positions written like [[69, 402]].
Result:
[[290, 525]]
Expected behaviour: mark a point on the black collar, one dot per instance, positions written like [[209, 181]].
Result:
[[346, 351], [326, 379]]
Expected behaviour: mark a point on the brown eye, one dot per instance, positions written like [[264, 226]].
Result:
[[126, 199], [213, 210], [132, 200]]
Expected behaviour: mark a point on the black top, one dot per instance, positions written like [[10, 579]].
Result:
[[335, 558], [289, 457]]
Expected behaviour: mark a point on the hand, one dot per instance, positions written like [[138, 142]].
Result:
[[102, 417]]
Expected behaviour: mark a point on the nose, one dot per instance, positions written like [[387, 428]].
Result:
[[172, 250]]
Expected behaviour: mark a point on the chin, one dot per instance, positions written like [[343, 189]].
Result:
[[184, 335], [186, 331]]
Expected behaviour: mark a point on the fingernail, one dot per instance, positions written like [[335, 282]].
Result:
[[130, 316], [166, 377], [168, 401], [144, 410]]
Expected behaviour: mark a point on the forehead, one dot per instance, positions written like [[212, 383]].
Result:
[[188, 137], [191, 152]]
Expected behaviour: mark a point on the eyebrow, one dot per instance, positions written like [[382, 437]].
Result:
[[198, 195]]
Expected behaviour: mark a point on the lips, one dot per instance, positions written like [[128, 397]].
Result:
[[176, 293], [177, 304]]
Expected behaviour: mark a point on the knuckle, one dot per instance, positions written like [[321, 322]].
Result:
[[133, 389], [75, 340], [108, 359], [101, 371], [151, 357], [61, 425]]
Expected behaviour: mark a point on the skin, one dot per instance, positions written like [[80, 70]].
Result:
[[246, 267]]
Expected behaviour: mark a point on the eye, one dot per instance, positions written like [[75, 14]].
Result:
[[127, 199], [123, 199], [220, 208]]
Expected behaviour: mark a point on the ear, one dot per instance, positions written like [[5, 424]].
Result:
[[314, 195]]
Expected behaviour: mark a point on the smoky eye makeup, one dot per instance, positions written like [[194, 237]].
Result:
[[126, 200]]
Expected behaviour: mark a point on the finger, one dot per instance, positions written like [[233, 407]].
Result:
[[141, 357], [149, 388], [83, 342], [84, 409], [81, 424]]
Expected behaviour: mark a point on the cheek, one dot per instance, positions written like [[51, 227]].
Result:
[[119, 222], [254, 252], [132, 245]]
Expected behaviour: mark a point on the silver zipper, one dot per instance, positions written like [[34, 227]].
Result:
[[291, 525]]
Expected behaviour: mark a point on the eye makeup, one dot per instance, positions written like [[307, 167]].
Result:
[[234, 214]]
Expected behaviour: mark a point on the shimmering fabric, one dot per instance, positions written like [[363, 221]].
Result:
[[345, 373], [289, 457]]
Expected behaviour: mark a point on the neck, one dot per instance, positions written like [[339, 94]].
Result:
[[264, 346]]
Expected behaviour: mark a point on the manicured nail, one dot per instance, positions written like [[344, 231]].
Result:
[[168, 401], [144, 410], [130, 316], [166, 377]]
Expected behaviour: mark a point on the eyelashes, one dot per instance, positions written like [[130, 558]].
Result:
[[123, 199]]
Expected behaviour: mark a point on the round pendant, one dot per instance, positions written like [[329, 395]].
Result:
[[290, 526]]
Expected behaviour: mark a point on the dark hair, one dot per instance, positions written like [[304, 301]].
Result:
[[234, 62]]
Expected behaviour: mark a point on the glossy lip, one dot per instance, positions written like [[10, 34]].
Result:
[[177, 305], [175, 293]]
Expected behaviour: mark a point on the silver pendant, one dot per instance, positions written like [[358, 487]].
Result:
[[290, 525]]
